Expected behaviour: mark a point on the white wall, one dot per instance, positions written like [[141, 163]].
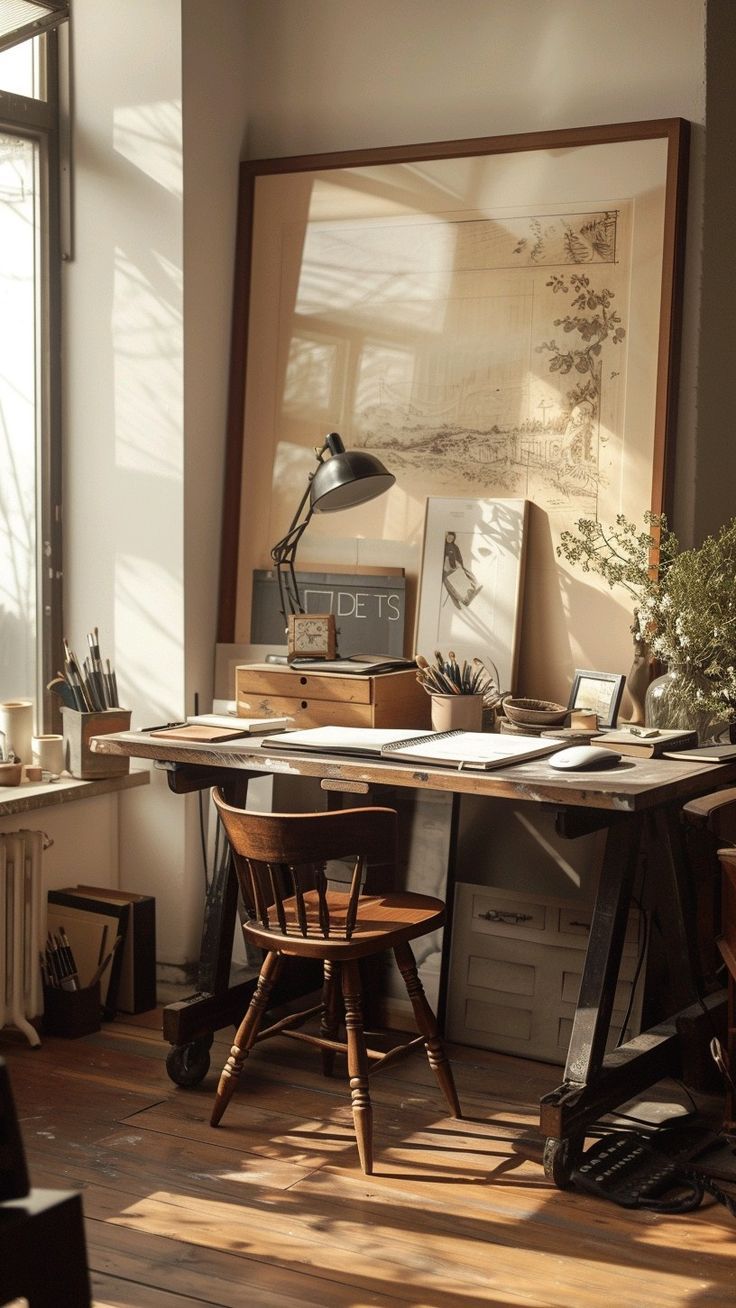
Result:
[[147, 297], [84, 836], [141, 490]]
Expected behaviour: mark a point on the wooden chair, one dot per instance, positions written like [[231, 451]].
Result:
[[280, 861]]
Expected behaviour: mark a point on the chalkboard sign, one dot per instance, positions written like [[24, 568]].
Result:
[[368, 607]]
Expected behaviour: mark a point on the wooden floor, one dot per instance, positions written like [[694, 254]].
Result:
[[272, 1211]]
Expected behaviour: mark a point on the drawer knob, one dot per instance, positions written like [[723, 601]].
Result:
[[510, 919]]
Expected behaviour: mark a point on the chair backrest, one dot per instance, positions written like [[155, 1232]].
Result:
[[282, 856]]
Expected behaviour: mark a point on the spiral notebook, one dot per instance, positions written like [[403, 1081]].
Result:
[[458, 749], [469, 749]]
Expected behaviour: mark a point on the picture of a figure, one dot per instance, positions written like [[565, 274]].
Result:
[[458, 581]]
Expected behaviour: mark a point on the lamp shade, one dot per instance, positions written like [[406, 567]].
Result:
[[349, 478]]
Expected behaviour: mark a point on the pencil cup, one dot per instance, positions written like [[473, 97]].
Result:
[[71, 1013], [457, 712], [79, 728]]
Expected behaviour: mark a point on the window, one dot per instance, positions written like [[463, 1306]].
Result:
[[30, 454]]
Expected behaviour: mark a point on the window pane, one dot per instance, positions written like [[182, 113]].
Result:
[[18, 371], [19, 69]]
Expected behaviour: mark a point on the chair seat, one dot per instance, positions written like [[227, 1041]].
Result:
[[382, 921]]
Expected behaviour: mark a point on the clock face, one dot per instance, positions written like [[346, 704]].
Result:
[[311, 635]]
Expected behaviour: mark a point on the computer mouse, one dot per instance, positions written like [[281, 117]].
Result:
[[580, 758]]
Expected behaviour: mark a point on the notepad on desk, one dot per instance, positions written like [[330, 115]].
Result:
[[459, 749], [707, 754], [215, 728], [369, 665]]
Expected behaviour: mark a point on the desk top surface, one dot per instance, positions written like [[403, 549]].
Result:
[[629, 786]]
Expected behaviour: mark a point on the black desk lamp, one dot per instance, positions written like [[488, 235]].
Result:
[[342, 481]]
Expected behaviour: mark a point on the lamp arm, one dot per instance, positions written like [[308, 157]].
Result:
[[284, 551], [283, 554]]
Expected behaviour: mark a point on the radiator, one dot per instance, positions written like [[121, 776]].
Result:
[[22, 929]]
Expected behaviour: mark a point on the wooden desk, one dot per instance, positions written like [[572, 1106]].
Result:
[[638, 804]]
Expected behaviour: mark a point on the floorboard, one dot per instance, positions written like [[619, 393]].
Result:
[[272, 1210]]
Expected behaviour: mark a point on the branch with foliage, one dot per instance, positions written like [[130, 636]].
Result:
[[624, 556], [594, 321], [684, 600]]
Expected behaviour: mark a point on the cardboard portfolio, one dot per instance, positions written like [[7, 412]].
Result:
[[137, 988]]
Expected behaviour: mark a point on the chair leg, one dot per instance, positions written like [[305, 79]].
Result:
[[358, 1065], [427, 1024], [246, 1034], [330, 1021]]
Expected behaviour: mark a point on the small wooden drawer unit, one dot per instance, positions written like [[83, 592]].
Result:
[[317, 699]]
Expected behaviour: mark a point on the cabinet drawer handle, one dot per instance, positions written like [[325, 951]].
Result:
[[510, 918], [584, 925]]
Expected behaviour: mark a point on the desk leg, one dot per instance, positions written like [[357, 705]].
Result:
[[189, 1025], [596, 1082]]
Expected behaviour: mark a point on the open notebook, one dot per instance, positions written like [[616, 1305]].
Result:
[[459, 749]]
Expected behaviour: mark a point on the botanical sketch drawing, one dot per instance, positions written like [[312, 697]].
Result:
[[490, 355]]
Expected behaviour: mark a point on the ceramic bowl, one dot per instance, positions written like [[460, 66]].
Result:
[[11, 774], [534, 712]]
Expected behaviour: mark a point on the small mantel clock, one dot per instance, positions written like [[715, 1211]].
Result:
[[311, 636]]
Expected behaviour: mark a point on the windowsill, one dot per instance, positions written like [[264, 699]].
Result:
[[29, 795]]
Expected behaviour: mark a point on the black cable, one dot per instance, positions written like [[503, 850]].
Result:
[[203, 842]]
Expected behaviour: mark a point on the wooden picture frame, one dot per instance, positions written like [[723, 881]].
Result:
[[491, 317], [471, 582], [600, 692]]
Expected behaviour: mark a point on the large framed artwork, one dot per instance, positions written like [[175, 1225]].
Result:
[[494, 319]]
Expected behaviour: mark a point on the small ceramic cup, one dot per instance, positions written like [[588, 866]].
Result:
[[16, 723], [48, 752]]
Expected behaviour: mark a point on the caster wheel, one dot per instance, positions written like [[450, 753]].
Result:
[[187, 1065], [560, 1159]]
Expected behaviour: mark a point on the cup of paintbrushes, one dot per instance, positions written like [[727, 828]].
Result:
[[456, 697]]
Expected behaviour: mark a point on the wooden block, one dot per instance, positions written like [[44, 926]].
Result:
[[79, 728]]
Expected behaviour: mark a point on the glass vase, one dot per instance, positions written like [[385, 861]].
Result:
[[671, 705]]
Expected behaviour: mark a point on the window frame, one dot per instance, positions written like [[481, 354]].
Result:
[[38, 120]]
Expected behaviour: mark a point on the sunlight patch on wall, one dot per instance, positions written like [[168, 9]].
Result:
[[149, 136], [147, 350], [148, 613]]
